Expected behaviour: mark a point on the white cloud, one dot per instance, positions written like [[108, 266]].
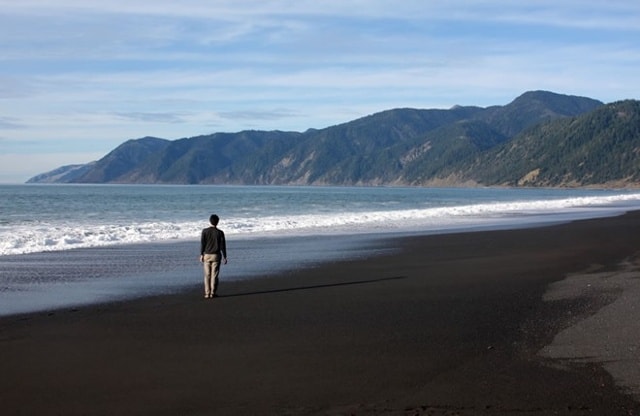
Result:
[[152, 117], [10, 123], [586, 13], [103, 72]]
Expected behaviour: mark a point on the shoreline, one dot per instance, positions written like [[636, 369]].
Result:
[[441, 324], [45, 282]]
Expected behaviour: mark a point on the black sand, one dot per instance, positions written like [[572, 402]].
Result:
[[447, 325]]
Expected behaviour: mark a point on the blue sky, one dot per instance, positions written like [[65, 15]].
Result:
[[79, 77]]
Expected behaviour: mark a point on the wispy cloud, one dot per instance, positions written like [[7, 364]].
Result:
[[589, 13], [152, 117], [10, 123], [101, 72], [276, 114]]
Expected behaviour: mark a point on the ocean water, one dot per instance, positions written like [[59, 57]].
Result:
[[65, 245]]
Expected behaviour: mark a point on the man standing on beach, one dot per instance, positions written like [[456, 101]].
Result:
[[213, 250]]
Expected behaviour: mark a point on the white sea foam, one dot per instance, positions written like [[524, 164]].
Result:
[[63, 235]]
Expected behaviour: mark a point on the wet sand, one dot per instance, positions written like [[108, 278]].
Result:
[[488, 323]]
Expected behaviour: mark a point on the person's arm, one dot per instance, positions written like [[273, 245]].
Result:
[[223, 247], [202, 244]]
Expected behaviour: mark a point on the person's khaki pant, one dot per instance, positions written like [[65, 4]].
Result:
[[211, 272]]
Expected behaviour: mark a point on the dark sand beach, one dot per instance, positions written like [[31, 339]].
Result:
[[509, 322]]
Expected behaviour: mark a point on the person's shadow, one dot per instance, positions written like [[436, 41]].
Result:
[[311, 287]]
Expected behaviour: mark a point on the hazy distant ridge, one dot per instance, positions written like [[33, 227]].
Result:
[[539, 139]]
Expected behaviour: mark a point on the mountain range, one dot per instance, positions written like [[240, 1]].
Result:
[[539, 139]]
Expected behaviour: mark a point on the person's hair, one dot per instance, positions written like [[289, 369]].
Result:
[[214, 219]]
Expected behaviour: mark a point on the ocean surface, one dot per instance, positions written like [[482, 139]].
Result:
[[68, 245]]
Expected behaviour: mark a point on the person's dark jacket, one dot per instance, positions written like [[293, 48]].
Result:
[[213, 242]]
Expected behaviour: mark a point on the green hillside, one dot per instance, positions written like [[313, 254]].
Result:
[[539, 139], [599, 148]]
